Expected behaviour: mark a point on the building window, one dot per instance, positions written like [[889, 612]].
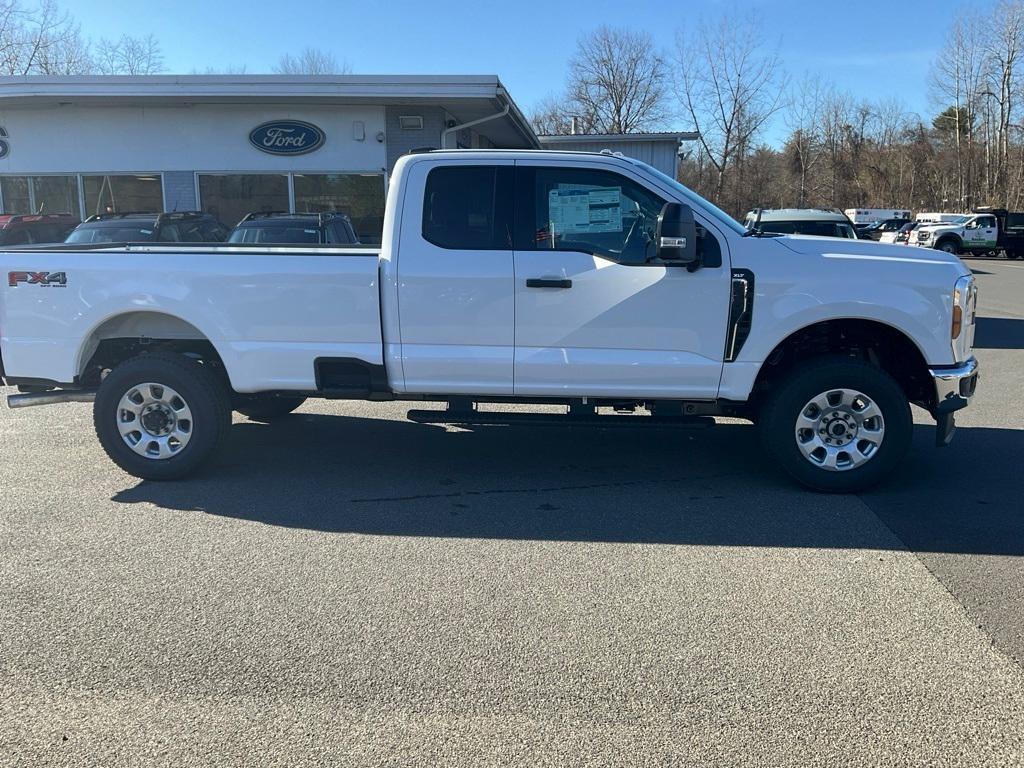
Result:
[[358, 195], [40, 194], [16, 195], [231, 197], [55, 194], [123, 194]]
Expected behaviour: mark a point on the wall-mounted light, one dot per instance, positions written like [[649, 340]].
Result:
[[358, 130]]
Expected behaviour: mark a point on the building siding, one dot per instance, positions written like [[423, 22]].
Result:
[[399, 142], [659, 154], [205, 137]]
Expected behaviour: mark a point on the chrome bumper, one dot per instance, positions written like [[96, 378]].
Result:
[[954, 388]]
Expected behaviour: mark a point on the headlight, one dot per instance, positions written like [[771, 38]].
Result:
[[961, 330]]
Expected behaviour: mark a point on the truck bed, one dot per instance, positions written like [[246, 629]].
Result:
[[270, 312]]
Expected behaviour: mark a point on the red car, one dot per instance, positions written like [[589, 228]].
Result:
[[28, 229]]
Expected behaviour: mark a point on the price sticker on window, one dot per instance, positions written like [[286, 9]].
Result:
[[572, 210]]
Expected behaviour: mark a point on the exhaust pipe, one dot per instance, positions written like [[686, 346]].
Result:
[[30, 399]]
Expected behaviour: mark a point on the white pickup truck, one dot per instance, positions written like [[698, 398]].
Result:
[[586, 280], [989, 230]]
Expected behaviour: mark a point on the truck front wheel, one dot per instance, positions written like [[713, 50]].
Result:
[[948, 246], [160, 416], [837, 425]]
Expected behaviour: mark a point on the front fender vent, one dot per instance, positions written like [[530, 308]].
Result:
[[741, 312]]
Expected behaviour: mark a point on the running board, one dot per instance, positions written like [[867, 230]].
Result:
[[554, 419]]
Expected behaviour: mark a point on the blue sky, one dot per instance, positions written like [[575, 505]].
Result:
[[874, 49]]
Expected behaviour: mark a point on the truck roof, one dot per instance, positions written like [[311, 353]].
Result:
[[512, 154], [802, 214]]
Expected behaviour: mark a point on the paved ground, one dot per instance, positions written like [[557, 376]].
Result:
[[347, 588]]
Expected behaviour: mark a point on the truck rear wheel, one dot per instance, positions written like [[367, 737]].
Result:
[[264, 407], [837, 425], [160, 416]]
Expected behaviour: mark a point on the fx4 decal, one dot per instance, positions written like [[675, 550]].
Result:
[[42, 279]]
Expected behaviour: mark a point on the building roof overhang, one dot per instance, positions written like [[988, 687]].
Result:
[[464, 97]]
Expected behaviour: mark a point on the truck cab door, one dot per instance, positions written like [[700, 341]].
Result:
[[455, 284], [988, 232], [596, 314]]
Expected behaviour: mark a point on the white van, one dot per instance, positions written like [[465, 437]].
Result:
[[861, 216]]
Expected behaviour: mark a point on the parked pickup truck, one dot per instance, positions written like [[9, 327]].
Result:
[[587, 280], [987, 230]]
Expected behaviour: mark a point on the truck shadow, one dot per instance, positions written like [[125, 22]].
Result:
[[702, 487], [999, 333]]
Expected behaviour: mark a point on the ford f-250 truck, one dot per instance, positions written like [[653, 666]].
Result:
[[587, 280]]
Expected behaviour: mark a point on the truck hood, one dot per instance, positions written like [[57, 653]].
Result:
[[838, 247]]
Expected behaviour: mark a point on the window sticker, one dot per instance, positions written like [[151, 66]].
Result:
[[572, 210]]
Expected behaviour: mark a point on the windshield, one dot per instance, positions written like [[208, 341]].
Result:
[[125, 234], [695, 200], [276, 234]]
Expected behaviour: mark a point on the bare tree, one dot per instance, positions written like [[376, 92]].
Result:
[[129, 56], [730, 87], [311, 61], [230, 69], [956, 78], [67, 54], [551, 116], [1003, 48], [803, 119], [40, 39], [617, 82]]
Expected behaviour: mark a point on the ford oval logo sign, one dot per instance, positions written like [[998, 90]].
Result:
[[286, 137]]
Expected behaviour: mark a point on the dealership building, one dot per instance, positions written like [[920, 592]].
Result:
[[234, 144]]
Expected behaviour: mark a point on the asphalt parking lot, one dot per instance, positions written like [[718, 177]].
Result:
[[348, 588]]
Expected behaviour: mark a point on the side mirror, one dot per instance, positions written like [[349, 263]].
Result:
[[676, 235]]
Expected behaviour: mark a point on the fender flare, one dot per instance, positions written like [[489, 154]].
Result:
[[90, 341]]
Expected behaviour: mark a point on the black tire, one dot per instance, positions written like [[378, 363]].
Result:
[[266, 407], [201, 389], [790, 396], [948, 246]]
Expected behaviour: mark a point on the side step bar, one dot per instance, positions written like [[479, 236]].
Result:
[[554, 419], [29, 399]]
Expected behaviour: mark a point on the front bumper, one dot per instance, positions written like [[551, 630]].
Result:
[[954, 388]]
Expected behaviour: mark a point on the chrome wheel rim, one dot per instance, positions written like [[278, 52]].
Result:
[[839, 430], [154, 421]]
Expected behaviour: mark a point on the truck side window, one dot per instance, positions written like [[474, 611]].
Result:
[[578, 209], [468, 207]]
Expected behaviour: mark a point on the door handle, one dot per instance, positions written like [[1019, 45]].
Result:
[[547, 282]]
